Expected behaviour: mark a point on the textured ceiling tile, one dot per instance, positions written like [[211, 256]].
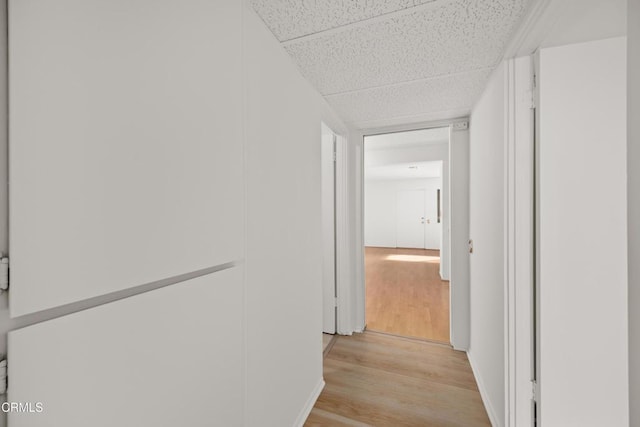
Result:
[[411, 99], [448, 37], [289, 19]]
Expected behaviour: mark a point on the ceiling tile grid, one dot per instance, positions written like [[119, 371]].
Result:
[[377, 60], [411, 99], [453, 37], [290, 19]]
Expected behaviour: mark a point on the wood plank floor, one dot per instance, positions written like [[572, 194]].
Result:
[[404, 293], [373, 379]]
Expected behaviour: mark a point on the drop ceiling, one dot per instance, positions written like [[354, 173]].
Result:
[[392, 61]]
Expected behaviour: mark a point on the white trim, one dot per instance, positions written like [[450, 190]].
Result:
[[509, 244], [359, 293], [308, 406], [378, 130], [345, 322], [519, 242], [483, 393]]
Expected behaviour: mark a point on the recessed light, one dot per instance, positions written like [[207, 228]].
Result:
[[413, 167]]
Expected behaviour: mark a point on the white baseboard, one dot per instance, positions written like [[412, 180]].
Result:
[[308, 406], [491, 412]]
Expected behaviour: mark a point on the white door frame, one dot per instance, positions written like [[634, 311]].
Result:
[[344, 316], [351, 304], [341, 238], [329, 273], [519, 241]]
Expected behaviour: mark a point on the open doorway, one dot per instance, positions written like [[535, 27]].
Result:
[[406, 233]]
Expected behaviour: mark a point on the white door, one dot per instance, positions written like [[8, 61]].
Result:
[[433, 225], [411, 219], [328, 232]]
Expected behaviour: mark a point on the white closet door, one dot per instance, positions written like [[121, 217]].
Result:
[[433, 228], [411, 219], [166, 358], [125, 144]]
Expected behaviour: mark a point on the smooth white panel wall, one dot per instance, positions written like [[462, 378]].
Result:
[[380, 214], [171, 357], [583, 226], [284, 246], [486, 228], [126, 151], [459, 208], [633, 192]]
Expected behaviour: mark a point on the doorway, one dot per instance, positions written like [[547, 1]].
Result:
[[405, 238]]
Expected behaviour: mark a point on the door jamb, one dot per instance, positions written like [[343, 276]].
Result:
[[519, 240], [342, 267]]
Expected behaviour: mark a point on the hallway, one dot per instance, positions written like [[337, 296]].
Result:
[[374, 379], [405, 295], [175, 214]]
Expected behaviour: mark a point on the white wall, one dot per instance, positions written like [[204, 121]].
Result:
[[633, 193], [486, 228], [426, 153], [459, 232], [267, 378], [381, 213], [164, 358], [582, 235], [126, 169], [284, 240]]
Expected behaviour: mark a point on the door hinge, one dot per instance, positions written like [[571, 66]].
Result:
[[534, 390], [335, 302], [4, 273], [335, 156], [3, 376]]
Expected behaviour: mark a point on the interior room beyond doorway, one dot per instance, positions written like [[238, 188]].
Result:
[[406, 233]]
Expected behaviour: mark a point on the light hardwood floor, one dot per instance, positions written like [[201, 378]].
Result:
[[404, 293], [374, 379]]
